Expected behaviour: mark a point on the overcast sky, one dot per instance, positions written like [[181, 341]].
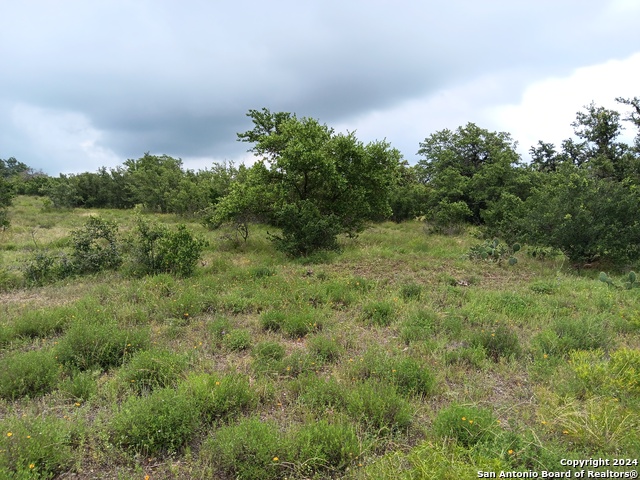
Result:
[[85, 84]]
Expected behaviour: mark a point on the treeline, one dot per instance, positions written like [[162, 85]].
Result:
[[581, 197]]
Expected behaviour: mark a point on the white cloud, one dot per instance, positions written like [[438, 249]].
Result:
[[67, 137], [548, 107]]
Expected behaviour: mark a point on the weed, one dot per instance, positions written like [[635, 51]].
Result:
[[252, 449], [86, 345], [418, 326], [500, 342], [324, 447], [472, 356], [32, 373], [272, 320], [468, 425], [160, 422], [378, 313], [566, 334], [237, 340], [378, 406], [80, 386], [318, 393], [411, 291], [324, 348], [152, 369], [36, 447]]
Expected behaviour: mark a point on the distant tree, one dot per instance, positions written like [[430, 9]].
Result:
[[468, 170], [154, 180]]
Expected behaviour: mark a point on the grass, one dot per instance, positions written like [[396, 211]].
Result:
[[358, 364]]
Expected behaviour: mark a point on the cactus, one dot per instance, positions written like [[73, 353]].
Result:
[[631, 281], [495, 251]]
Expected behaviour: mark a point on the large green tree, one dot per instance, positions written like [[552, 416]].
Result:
[[312, 182], [468, 170]]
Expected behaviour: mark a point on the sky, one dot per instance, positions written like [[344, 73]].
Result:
[[86, 84]]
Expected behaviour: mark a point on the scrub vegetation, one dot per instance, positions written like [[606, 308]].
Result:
[[325, 314]]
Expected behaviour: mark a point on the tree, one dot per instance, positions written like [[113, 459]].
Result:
[[467, 171], [307, 175], [154, 180]]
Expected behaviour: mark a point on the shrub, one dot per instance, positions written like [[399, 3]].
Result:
[[324, 348], [268, 351], [498, 342], [324, 447], [472, 356], [378, 406], [468, 425], [30, 373], [160, 250], [36, 447], [319, 393], [152, 369], [411, 378], [418, 326], [272, 320], [250, 450], [160, 422], [219, 398], [86, 346], [305, 229], [568, 334], [40, 323], [95, 246], [411, 291], [237, 340], [299, 324], [624, 369], [378, 313], [80, 386]]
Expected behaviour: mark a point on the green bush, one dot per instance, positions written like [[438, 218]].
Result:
[[157, 249], [41, 323], [468, 425], [411, 378], [471, 356], [219, 398], [418, 326], [87, 346], [252, 449], [497, 342], [237, 340], [95, 246], [272, 320], [152, 369], [323, 447], [305, 229], [318, 393], [32, 373], [80, 386], [567, 334], [268, 351], [411, 291], [299, 324], [378, 313], [36, 447], [325, 349], [378, 406], [160, 422]]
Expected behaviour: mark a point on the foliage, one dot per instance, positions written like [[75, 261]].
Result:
[[567, 334], [495, 251], [152, 369], [313, 180], [378, 406], [500, 342], [378, 313], [324, 447], [252, 449], [628, 282], [157, 249], [467, 424], [99, 345], [30, 374], [95, 246], [163, 421], [36, 447]]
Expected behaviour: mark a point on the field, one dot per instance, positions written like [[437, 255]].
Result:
[[398, 357]]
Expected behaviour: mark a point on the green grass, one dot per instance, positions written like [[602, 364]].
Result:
[[358, 364]]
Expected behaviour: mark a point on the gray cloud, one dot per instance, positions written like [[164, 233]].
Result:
[[178, 78]]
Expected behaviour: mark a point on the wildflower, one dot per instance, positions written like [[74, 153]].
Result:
[[28, 436], [543, 422], [9, 434], [464, 419], [32, 465], [217, 383], [147, 477], [77, 404], [275, 459], [565, 432], [470, 421], [510, 452], [545, 356]]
